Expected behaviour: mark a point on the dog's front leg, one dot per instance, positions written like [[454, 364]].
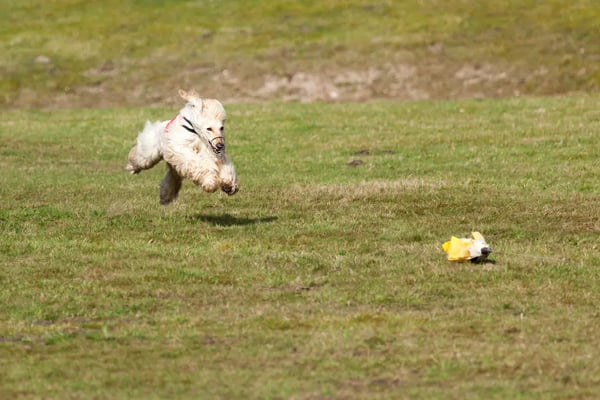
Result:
[[228, 177], [190, 165], [169, 186]]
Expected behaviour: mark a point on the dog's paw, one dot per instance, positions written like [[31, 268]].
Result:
[[230, 188], [209, 185], [132, 169], [165, 201]]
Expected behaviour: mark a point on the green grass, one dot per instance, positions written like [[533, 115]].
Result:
[[319, 279], [139, 52]]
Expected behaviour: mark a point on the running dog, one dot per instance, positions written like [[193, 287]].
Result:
[[193, 146]]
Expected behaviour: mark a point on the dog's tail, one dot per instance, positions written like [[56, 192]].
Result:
[[146, 153]]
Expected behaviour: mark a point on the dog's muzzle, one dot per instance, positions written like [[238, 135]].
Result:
[[219, 146]]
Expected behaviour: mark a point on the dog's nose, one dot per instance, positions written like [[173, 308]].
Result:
[[220, 146]]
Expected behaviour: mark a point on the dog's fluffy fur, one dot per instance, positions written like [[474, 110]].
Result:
[[193, 146]]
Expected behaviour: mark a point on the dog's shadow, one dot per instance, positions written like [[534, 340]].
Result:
[[230, 220]]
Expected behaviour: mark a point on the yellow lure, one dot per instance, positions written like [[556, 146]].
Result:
[[462, 249]]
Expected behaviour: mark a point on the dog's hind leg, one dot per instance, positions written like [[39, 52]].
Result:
[[136, 163], [146, 153], [169, 186]]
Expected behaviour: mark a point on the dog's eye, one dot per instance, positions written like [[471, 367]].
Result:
[[222, 129], [209, 129]]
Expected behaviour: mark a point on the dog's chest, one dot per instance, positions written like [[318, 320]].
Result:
[[197, 146], [204, 151]]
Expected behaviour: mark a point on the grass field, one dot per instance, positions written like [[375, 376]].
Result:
[[324, 277], [319, 279]]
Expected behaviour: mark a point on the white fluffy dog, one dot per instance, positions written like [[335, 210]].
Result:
[[192, 144]]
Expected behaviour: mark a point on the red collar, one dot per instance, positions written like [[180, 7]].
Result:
[[170, 122]]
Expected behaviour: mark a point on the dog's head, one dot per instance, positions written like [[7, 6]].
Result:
[[207, 119]]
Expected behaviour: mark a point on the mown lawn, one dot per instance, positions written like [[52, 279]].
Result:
[[319, 279]]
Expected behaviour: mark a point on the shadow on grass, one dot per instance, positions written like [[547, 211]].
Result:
[[484, 261], [230, 220]]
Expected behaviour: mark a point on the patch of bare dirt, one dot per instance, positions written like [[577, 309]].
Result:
[[344, 85], [114, 85]]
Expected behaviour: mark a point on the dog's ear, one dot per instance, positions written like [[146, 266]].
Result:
[[184, 95], [188, 95]]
